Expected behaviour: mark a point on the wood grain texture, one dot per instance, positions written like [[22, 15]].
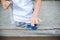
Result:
[[29, 38]]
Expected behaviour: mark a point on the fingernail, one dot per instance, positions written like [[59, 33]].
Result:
[[32, 25]]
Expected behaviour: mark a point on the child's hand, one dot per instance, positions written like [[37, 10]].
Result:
[[6, 4], [34, 19]]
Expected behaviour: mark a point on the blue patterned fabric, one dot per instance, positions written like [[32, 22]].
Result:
[[26, 25]]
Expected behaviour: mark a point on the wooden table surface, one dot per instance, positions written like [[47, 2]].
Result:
[[29, 38]]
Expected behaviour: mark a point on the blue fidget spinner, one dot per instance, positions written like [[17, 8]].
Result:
[[32, 27]]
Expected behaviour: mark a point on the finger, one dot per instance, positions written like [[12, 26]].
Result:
[[8, 2], [32, 22], [37, 21]]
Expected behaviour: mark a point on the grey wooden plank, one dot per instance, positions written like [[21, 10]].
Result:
[[49, 14], [50, 25]]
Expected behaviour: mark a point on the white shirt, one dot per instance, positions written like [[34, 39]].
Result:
[[22, 10]]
